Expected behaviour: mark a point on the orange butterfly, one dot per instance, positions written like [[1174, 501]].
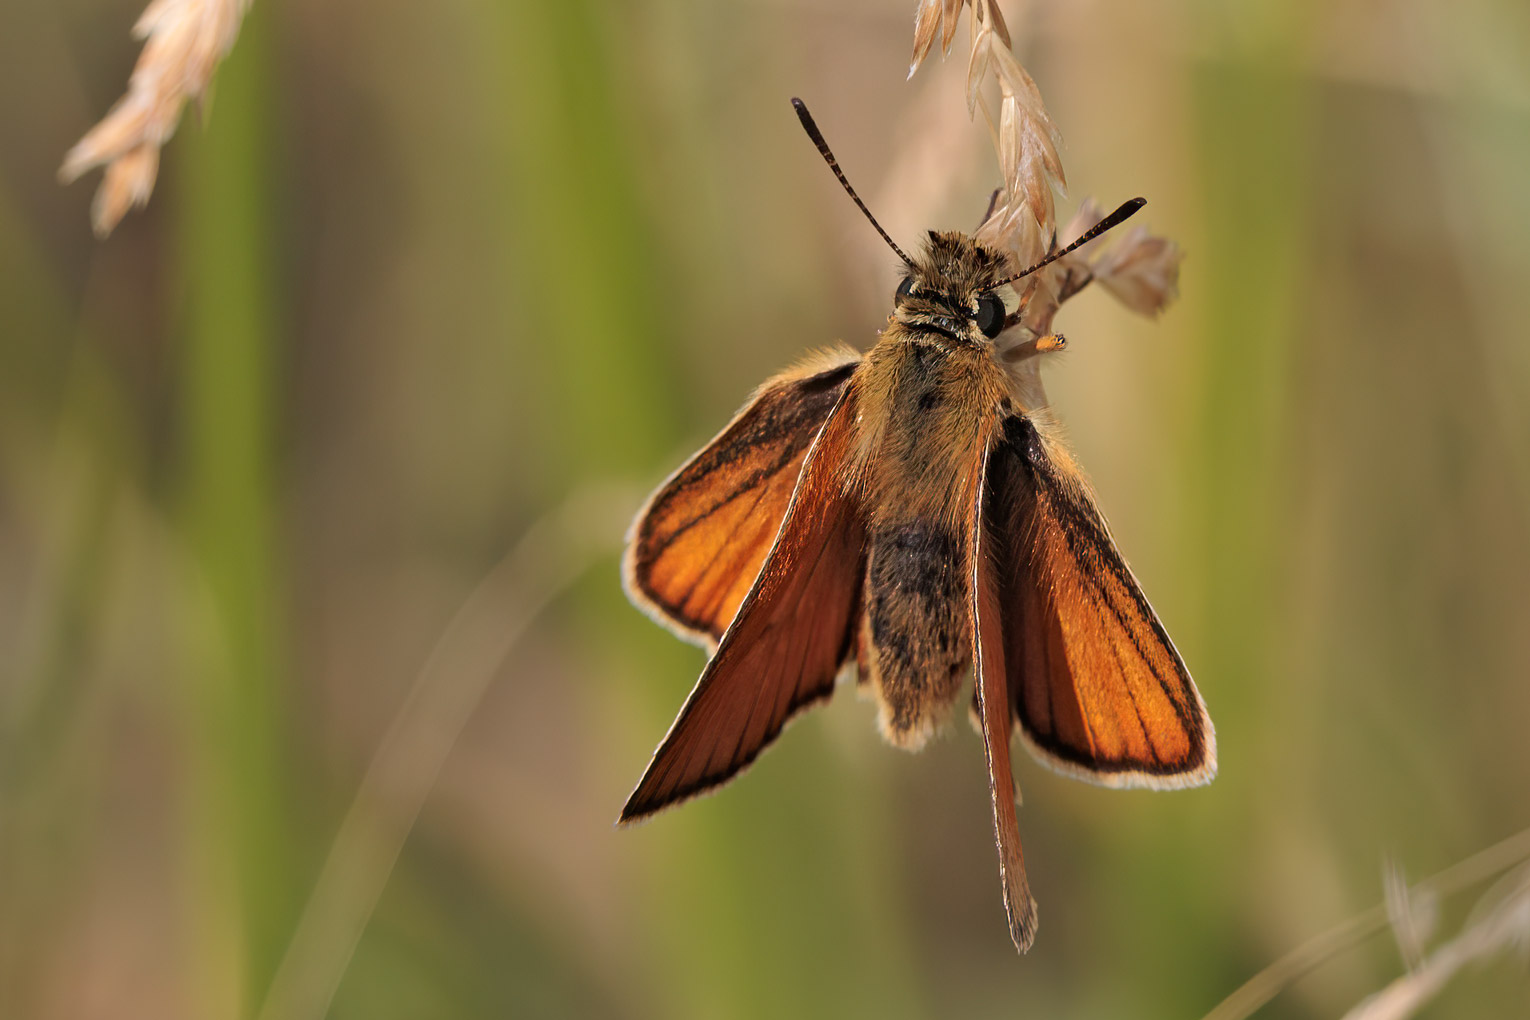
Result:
[[906, 510]]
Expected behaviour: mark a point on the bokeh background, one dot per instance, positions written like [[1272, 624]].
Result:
[[424, 272]]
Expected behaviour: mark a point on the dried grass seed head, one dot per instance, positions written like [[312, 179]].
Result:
[[1025, 137], [184, 41]]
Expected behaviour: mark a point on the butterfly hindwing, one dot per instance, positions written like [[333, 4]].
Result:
[[696, 547]]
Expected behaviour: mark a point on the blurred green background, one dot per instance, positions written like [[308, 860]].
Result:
[[427, 269]]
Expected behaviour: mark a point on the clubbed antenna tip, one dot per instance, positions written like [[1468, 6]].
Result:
[[1125, 211]]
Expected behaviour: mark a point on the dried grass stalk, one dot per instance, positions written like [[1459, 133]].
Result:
[[553, 554], [1413, 918], [1503, 919], [1500, 922], [184, 41]]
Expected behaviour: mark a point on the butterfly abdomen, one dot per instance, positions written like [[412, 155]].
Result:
[[916, 639]]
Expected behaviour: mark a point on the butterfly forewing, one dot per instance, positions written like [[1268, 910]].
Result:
[[1097, 687], [697, 546], [791, 635]]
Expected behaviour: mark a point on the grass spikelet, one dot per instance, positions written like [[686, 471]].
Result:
[[1140, 270], [184, 42]]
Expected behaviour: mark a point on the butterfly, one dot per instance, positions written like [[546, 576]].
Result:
[[912, 511]]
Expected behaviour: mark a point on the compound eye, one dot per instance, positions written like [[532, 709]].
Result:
[[905, 289], [990, 315]]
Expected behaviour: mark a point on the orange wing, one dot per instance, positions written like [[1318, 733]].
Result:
[[698, 545], [1096, 685], [792, 633], [996, 722]]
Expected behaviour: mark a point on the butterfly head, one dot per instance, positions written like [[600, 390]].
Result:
[[959, 288]]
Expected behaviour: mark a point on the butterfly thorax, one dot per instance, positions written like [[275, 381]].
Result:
[[933, 387], [928, 410]]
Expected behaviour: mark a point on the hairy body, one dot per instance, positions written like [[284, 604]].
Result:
[[932, 404]]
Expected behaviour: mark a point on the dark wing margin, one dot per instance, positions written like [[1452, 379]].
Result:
[[695, 548], [1097, 687], [791, 635], [995, 723]]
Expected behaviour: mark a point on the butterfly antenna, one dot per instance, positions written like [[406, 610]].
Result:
[[1123, 213], [828, 156]]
